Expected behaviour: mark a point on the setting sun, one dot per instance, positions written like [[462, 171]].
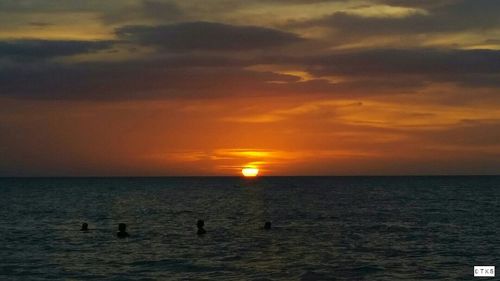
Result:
[[250, 171]]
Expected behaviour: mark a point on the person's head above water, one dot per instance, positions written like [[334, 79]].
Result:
[[122, 227], [267, 225], [200, 223], [85, 227], [122, 230]]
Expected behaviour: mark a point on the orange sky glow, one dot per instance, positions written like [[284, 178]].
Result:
[[167, 88]]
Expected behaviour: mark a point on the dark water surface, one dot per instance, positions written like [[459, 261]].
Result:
[[324, 228]]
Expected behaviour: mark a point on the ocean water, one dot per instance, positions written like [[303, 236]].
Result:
[[324, 228]]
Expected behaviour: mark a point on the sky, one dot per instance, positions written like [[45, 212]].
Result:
[[206, 87]]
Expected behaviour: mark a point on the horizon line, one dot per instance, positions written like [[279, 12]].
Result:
[[239, 176]]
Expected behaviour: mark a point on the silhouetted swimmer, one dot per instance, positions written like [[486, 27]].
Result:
[[200, 224], [267, 225], [122, 231], [85, 227]]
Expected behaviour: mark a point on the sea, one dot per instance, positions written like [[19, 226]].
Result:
[[323, 228]]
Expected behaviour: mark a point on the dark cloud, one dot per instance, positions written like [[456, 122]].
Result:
[[450, 16], [207, 36], [42, 49], [178, 78], [369, 72], [381, 62], [182, 76], [417, 3], [407, 68], [131, 80]]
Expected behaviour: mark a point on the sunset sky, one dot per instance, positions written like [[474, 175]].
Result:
[[206, 87]]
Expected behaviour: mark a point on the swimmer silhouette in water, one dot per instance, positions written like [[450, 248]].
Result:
[[200, 224], [85, 227], [122, 231], [267, 225]]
